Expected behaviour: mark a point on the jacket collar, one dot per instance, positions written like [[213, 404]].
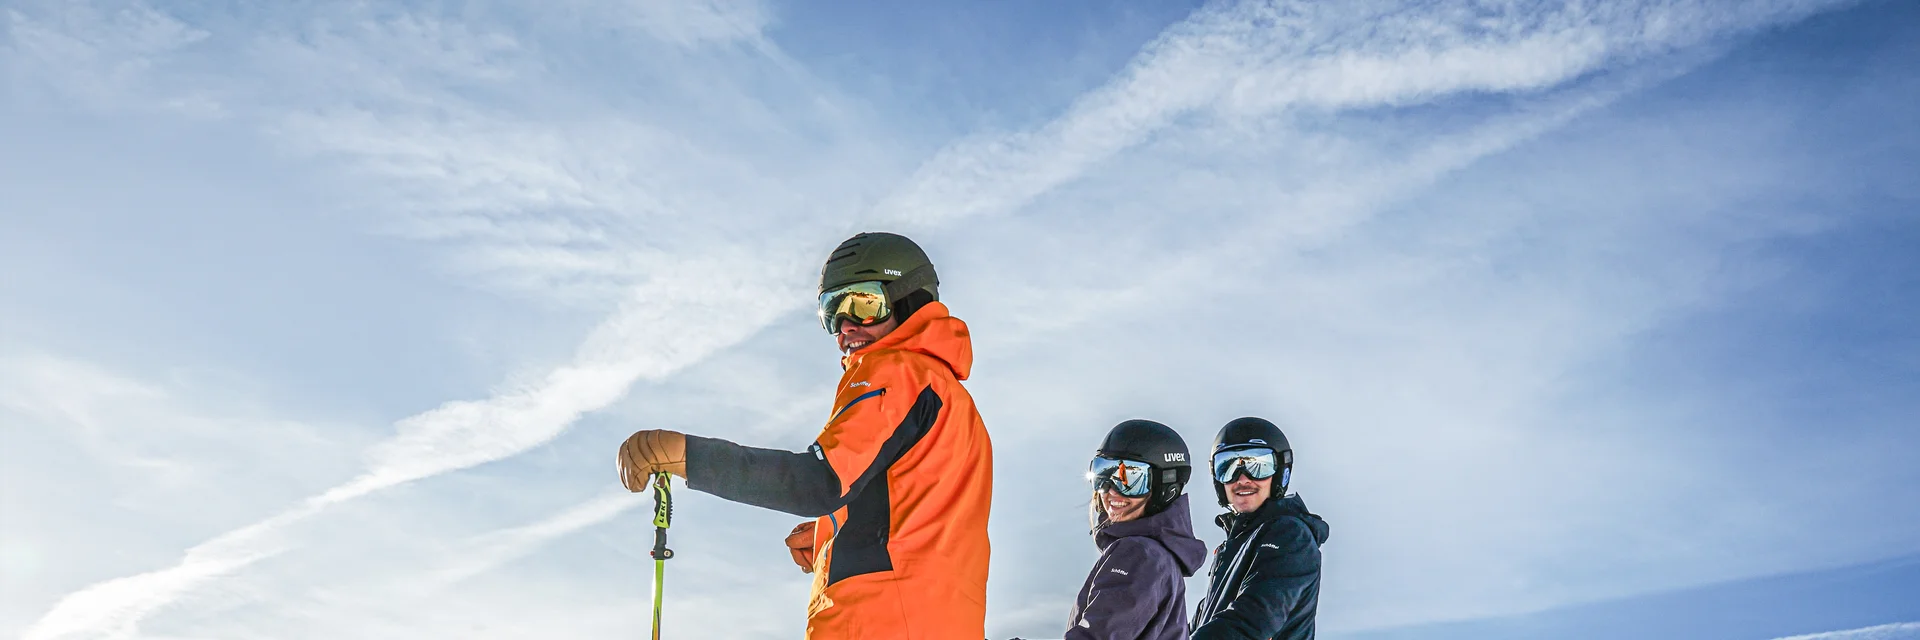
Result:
[[930, 331]]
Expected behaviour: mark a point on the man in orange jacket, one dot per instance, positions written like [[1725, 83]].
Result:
[[900, 480]]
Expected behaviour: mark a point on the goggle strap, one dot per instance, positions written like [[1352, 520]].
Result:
[[919, 278]]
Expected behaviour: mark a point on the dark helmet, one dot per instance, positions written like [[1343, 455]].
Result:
[[1249, 433], [886, 257], [1161, 448]]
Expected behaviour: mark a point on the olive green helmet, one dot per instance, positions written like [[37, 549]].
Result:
[[888, 258]]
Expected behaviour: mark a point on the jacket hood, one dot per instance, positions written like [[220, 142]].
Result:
[[930, 331], [1172, 528], [1289, 507]]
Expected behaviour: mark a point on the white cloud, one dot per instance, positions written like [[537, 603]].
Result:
[[664, 328], [1256, 59], [611, 210], [497, 547], [702, 22], [1897, 631], [601, 198], [102, 56]]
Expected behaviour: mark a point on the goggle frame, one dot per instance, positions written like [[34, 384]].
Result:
[[841, 302], [1135, 478]]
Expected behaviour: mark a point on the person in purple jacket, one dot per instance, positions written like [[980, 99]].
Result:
[[1144, 529]]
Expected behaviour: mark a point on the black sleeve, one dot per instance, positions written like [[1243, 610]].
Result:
[[802, 484], [1278, 579]]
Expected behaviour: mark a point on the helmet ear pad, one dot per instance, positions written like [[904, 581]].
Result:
[[1168, 484], [904, 307]]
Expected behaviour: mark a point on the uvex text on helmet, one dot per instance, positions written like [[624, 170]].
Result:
[[1249, 433], [1161, 448], [884, 257]]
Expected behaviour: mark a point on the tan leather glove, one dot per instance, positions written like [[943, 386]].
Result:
[[800, 544], [648, 452]]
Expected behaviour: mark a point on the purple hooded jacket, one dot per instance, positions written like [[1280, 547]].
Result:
[[1135, 590]]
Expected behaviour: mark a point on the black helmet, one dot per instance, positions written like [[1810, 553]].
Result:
[[1161, 448], [1249, 433], [885, 257]]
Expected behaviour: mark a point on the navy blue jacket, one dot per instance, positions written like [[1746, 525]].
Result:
[[1265, 581], [1137, 590]]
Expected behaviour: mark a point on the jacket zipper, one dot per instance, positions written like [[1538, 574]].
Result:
[[1233, 569]]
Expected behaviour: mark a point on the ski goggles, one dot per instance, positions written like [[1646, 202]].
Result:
[[862, 303], [1130, 478], [1258, 463]]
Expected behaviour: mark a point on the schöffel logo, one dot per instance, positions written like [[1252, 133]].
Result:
[[1176, 457]]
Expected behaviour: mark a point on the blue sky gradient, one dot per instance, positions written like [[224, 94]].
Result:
[[324, 321]]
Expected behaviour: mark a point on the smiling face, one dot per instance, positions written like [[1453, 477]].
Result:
[[1244, 494], [853, 337], [1120, 508]]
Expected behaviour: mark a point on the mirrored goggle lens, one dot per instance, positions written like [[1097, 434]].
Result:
[[863, 303], [1258, 464], [1127, 477]]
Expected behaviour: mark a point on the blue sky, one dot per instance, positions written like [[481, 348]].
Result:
[[324, 321]]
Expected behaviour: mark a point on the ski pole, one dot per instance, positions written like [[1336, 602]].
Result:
[[662, 518]]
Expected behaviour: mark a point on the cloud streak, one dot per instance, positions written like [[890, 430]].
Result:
[[1001, 174], [473, 175], [1896, 631], [661, 331], [588, 213], [1258, 59]]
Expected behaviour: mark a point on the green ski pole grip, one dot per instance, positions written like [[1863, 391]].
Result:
[[662, 515]]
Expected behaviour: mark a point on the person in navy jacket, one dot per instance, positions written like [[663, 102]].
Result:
[[1144, 529], [1265, 581]]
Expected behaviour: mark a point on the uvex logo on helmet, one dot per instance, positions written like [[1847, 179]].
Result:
[[1176, 457]]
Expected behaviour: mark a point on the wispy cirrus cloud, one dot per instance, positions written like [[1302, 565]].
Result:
[[679, 199], [656, 335], [1259, 59], [1340, 194], [516, 196], [1896, 631]]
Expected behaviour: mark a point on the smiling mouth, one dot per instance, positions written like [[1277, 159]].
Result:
[[857, 344], [1245, 492]]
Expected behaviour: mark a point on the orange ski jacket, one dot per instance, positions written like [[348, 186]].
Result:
[[900, 480]]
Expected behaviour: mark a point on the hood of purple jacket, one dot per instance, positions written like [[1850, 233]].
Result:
[[1172, 528]]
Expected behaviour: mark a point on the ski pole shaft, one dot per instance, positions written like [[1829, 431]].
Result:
[[662, 518]]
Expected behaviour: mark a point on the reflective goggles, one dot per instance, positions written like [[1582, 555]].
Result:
[[1258, 463], [1130, 478], [862, 303]]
